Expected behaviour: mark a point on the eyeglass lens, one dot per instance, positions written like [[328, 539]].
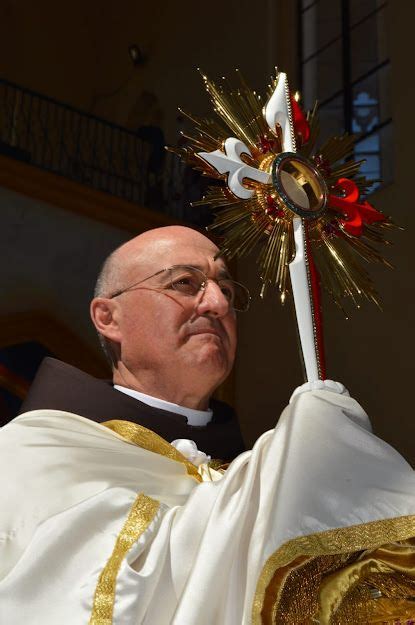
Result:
[[189, 281]]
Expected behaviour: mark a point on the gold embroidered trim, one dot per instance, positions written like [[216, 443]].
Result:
[[140, 516], [147, 439], [300, 551]]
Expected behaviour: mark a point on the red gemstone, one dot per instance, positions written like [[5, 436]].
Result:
[[322, 164], [330, 229], [273, 210], [265, 144]]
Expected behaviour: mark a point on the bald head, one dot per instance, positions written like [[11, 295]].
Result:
[[138, 257]]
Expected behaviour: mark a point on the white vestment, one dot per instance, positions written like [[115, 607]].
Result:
[[103, 527]]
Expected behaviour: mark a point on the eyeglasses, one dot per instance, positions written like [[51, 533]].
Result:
[[190, 281]]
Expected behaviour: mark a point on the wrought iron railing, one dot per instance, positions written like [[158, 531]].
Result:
[[61, 139]]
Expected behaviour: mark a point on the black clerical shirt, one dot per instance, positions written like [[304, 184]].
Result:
[[59, 386]]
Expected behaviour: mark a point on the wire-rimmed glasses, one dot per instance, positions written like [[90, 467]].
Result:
[[189, 281]]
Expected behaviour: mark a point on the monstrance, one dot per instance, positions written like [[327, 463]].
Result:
[[300, 206]]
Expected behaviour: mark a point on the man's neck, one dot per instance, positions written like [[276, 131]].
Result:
[[194, 417], [152, 386]]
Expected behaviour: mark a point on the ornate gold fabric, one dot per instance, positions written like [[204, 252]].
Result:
[[147, 439], [348, 576], [141, 514]]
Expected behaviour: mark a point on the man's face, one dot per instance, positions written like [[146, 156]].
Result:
[[170, 338]]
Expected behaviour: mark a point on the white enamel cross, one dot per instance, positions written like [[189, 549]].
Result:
[[230, 162]]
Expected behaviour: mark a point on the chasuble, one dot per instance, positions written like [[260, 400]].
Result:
[[107, 523]]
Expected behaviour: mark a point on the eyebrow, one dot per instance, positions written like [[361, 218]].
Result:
[[222, 272]]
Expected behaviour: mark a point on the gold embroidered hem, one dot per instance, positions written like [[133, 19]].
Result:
[[147, 439], [141, 514], [348, 576]]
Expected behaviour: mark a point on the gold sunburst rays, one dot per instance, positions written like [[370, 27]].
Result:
[[238, 111], [364, 185], [343, 277], [307, 149], [337, 148], [275, 257], [240, 108], [218, 197], [209, 132], [348, 169], [242, 227], [263, 224], [365, 250], [336, 254], [327, 228]]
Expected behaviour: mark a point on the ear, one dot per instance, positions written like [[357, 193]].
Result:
[[104, 315]]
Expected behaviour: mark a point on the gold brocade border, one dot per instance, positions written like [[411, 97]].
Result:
[[147, 439], [140, 516], [337, 541]]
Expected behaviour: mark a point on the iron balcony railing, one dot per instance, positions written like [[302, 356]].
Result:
[[61, 139]]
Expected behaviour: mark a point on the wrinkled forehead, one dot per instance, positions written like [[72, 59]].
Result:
[[165, 252]]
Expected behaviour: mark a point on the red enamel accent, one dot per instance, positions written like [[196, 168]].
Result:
[[356, 214], [272, 208], [317, 307], [322, 164], [265, 144], [330, 229], [301, 125]]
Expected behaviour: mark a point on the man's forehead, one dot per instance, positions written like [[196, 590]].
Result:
[[155, 253], [201, 257]]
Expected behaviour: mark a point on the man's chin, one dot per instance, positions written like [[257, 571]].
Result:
[[206, 336], [213, 359], [209, 355]]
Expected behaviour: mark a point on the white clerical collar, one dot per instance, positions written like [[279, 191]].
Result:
[[194, 417]]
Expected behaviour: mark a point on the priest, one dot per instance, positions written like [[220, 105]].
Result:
[[111, 522], [170, 337]]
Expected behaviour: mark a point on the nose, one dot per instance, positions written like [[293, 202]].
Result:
[[212, 301]]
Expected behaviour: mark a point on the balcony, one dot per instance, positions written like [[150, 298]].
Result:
[[63, 140]]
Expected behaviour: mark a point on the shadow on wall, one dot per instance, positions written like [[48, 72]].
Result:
[[18, 366], [26, 338]]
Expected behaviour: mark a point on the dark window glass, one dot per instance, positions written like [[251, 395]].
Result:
[[321, 24], [323, 74], [377, 150], [361, 9], [345, 67], [331, 119], [368, 44], [309, 29]]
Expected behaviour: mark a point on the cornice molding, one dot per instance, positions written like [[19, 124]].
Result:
[[77, 198]]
